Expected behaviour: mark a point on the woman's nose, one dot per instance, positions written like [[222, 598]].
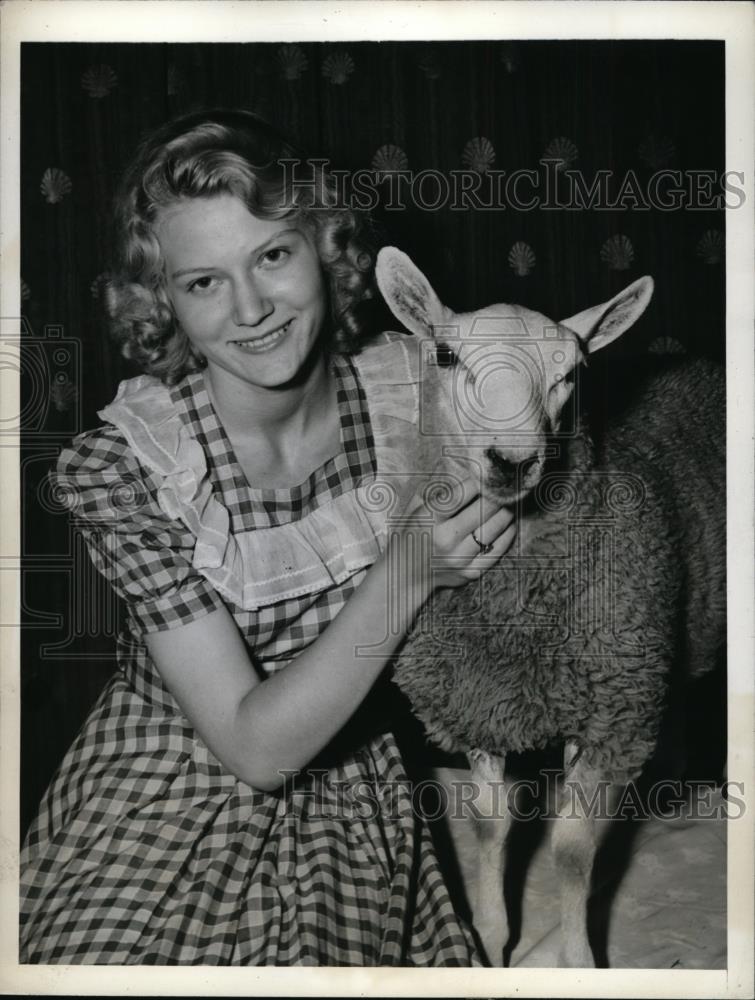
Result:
[[250, 304]]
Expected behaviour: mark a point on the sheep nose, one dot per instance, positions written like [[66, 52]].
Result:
[[511, 474]]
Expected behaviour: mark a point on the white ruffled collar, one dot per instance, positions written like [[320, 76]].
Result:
[[330, 543]]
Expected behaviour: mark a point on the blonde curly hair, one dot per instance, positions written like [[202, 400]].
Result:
[[225, 152]]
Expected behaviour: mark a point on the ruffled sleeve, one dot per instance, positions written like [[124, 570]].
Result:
[[144, 554]]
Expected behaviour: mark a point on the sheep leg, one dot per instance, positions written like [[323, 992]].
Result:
[[494, 819], [574, 846]]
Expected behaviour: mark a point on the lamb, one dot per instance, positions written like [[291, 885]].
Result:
[[615, 587]]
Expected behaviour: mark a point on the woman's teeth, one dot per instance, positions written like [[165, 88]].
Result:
[[258, 344]]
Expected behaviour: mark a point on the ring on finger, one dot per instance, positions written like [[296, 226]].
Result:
[[484, 549]]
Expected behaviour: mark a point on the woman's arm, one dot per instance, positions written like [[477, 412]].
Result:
[[259, 729]]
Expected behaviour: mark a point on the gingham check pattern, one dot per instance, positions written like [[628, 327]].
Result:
[[145, 851]]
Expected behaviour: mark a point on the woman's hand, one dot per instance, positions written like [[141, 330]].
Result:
[[450, 550], [262, 730]]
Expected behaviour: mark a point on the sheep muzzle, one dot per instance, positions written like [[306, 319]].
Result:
[[511, 478]]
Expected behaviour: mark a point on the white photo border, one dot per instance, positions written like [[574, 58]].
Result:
[[355, 20]]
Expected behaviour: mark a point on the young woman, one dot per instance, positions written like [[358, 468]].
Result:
[[222, 500]]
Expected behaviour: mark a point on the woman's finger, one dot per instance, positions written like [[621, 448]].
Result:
[[481, 562], [486, 532], [493, 549], [497, 522], [489, 508]]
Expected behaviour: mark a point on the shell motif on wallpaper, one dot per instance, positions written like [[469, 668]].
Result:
[[562, 150], [712, 246], [292, 61], [98, 81], [55, 185], [338, 67], [510, 57], [617, 252], [388, 159], [63, 392], [666, 345], [521, 259], [478, 154], [656, 151], [429, 63], [25, 291]]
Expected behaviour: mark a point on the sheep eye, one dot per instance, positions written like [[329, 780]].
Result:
[[445, 356], [567, 378]]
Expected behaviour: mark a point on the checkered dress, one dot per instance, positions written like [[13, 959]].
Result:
[[145, 849]]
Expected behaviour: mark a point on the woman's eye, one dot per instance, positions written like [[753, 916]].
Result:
[[275, 256], [203, 284]]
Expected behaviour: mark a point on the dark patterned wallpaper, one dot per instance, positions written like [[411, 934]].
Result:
[[630, 109]]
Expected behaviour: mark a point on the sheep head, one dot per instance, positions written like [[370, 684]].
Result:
[[510, 371]]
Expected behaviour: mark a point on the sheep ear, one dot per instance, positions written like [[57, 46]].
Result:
[[408, 293], [598, 326]]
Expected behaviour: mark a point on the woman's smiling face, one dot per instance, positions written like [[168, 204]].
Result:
[[249, 293]]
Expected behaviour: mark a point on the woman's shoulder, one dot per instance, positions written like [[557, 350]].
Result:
[[102, 473], [95, 451], [98, 478], [107, 447], [144, 395], [145, 461]]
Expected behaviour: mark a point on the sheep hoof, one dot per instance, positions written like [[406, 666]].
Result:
[[577, 956], [493, 939]]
